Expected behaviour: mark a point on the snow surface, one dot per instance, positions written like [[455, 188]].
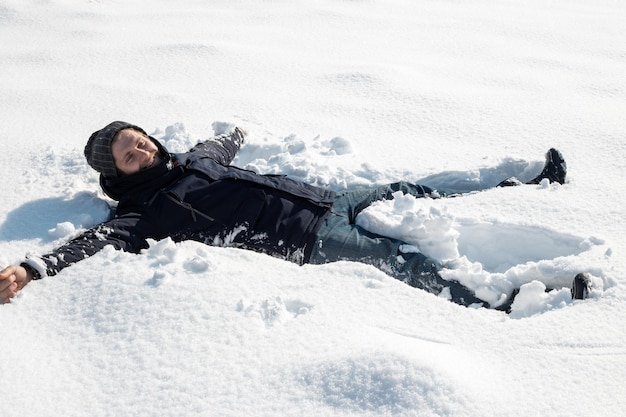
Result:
[[341, 93]]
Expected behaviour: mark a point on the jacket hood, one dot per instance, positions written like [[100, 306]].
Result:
[[144, 181]]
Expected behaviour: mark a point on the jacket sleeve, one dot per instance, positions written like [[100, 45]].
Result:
[[123, 233], [222, 148]]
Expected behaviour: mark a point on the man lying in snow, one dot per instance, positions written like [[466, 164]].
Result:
[[197, 195]]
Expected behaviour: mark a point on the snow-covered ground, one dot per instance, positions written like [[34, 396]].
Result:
[[456, 95]]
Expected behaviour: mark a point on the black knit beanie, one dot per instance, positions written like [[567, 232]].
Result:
[[98, 148]]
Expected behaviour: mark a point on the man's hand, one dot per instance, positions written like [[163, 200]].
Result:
[[12, 280]]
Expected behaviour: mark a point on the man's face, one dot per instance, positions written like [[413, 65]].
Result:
[[132, 152]]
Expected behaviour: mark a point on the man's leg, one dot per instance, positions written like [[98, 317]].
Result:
[[351, 203], [338, 239]]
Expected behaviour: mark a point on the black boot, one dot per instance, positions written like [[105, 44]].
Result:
[[554, 170], [581, 286]]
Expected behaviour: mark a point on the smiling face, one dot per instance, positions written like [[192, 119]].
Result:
[[133, 151]]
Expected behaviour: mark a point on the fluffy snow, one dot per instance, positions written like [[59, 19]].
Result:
[[344, 94]]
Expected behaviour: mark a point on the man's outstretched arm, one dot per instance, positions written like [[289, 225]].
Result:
[[222, 148], [124, 233]]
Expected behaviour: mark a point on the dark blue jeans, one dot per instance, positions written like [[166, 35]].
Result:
[[341, 239]]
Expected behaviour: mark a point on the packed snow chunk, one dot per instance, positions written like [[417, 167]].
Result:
[[294, 145], [339, 146], [164, 251], [61, 230], [416, 221], [491, 287], [533, 299], [196, 265], [159, 278], [221, 128], [176, 138], [273, 310]]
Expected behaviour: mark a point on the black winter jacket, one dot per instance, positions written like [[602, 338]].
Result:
[[199, 196]]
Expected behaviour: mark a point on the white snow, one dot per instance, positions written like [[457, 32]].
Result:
[[344, 94]]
